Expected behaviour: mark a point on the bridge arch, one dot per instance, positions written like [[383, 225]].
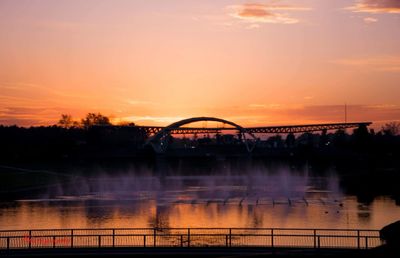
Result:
[[160, 146]]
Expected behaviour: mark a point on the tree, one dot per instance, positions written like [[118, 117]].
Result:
[[392, 128], [290, 140], [340, 138], [93, 119], [361, 136], [126, 123], [66, 121]]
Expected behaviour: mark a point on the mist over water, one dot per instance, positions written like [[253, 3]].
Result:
[[250, 183], [225, 194]]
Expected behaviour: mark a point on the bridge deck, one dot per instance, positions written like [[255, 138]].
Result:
[[257, 130]]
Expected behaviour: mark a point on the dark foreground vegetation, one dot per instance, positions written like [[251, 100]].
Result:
[[95, 137]]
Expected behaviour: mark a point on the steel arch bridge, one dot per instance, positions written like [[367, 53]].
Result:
[[159, 135], [159, 140]]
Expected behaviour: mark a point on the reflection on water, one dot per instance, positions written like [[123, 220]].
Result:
[[240, 196]]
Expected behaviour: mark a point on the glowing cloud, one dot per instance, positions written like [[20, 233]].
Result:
[[370, 20], [265, 13], [381, 63], [376, 6]]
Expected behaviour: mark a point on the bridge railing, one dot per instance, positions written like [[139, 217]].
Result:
[[189, 237]]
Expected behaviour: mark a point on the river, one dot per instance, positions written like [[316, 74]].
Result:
[[188, 194]]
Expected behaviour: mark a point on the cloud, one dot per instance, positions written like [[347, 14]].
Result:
[[378, 114], [153, 120], [265, 106], [279, 114], [135, 102], [248, 115], [370, 20], [376, 6], [257, 106], [265, 13], [253, 26], [28, 116], [381, 63], [29, 104]]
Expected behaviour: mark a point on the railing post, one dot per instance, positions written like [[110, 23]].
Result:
[[54, 241], [99, 241], [154, 237], [230, 237], [358, 239], [113, 240], [144, 240], [181, 240], [8, 243], [226, 240], [72, 238], [188, 237], [272, 238], [30, 238], [366, 242], [319, 242], [315, 238]]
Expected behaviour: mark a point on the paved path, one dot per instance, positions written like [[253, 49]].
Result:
[[189, 252]]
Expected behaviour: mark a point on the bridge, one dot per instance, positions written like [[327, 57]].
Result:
[[158, 136]]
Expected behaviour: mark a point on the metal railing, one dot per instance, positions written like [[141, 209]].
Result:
[[189, 237]]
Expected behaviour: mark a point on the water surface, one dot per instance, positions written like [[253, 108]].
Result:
[[249, 195]]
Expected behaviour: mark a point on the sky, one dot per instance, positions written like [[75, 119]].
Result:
[[154, 62]]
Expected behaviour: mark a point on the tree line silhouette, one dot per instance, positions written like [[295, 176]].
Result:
[[95, 136], [91, 119]]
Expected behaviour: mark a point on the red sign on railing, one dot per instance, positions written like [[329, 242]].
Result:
[[41, 241]]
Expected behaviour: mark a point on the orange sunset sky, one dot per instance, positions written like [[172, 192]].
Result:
[[153, 62]]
